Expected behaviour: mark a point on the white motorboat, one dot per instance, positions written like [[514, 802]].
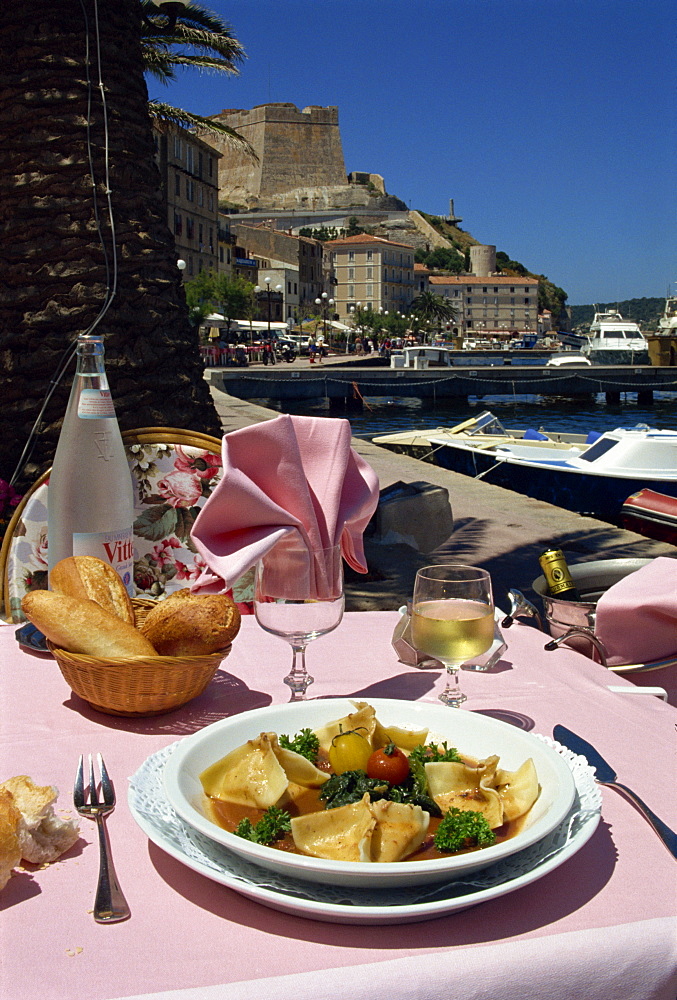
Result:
[[484, 431], [613, 340], [593, 479]]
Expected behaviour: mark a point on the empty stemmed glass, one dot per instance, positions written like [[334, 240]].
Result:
[[452, 619], [298, 595]]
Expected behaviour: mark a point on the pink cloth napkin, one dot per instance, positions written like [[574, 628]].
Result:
[[292, 478], [637, 617]]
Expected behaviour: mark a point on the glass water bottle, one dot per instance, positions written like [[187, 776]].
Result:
[[91, 496]]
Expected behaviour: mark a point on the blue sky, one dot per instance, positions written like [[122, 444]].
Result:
[[550, 123]]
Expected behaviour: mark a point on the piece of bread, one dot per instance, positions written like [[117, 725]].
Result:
[[43, 837], [190, 625], [83, 626], [10, 849], [92, 579]]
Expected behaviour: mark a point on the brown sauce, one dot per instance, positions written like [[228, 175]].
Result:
[[228, 814]]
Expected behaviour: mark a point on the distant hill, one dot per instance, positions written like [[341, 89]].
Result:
[[644, 311]]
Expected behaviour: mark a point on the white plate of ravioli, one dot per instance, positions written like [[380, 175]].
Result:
[[233, 752]]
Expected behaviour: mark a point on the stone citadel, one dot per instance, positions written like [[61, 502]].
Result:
[[301, 176]]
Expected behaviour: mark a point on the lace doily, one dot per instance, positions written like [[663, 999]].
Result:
[[149, 804]]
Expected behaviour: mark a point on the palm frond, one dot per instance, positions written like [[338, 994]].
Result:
[[160, 113], [200, 62]]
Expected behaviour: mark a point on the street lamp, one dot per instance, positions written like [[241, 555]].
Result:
[[324, 302], [278, 288]]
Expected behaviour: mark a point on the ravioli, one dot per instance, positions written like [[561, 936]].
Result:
[[378, 831], [400, 830], [251, 775], [463, 786], [342, 834], [517, 790], [259, 773]]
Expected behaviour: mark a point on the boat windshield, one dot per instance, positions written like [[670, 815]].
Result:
[[598, 449], [487, 423]]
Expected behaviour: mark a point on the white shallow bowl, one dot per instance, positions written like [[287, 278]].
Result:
[[475, 735]]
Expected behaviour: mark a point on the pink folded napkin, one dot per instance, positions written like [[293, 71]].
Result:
[[292, 478], [637, 617]]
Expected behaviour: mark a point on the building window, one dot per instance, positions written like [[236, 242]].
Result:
[[484, 290], [351, 274], [199, 164], [370, 273], [190, 189], [190, 228], [220, 255], [177, 182], [200, 195], [351, 291], [190, 158], [370, 254], [469, 300], [178, 152], [200, 235], [296, 291], [351, 255], [210, 201], [526, 301], [370, 290], [178, 224], [210, 165]]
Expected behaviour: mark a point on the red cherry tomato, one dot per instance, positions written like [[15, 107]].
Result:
[[388, 764]]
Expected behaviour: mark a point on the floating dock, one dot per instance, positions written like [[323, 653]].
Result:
[[345, 385]]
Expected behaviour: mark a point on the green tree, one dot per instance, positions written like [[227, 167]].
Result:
[[434, 308], [234, 297]]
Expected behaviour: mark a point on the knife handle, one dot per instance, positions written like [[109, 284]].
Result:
[[668, 836]]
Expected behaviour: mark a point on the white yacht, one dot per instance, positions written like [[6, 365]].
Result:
[[613, 340], [667, 324]]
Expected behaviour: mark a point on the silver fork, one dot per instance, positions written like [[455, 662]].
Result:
[[110, 905]]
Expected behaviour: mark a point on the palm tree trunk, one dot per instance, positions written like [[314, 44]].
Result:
[[53, 275]]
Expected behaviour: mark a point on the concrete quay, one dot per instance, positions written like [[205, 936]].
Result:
[[500, 530]]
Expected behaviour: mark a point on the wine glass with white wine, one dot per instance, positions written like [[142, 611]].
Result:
[[452, 619]]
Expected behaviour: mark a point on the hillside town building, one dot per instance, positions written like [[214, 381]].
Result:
[[371, 272], [189, 175]]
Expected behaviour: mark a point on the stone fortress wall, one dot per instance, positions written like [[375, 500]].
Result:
[[296, 150]]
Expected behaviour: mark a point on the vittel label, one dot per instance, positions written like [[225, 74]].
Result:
[[95, 403], [114, 547]]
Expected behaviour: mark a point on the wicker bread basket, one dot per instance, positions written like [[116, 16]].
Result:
[[138, 685]]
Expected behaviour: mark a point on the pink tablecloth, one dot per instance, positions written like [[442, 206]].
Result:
[[602, 925]]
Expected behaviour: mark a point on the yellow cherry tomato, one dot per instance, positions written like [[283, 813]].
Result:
[[349, 751]]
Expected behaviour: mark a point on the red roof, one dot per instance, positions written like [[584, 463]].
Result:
[[475, 279]]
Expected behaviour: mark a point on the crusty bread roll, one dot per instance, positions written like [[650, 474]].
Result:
[[89, 578], [83, 626], [187, 624], [42, 835], [10, 848]]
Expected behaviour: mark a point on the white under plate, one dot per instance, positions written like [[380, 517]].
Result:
[[344, 904], [477, 735]]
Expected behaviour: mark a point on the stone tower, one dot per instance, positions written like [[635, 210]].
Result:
[[298, 151]]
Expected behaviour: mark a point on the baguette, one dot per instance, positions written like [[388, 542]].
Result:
[[188, 624], [83, 626], [88, 578]]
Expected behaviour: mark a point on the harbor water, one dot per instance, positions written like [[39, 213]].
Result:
[[384, 415]]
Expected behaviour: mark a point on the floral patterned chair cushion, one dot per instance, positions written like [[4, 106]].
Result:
[[172, 483]]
